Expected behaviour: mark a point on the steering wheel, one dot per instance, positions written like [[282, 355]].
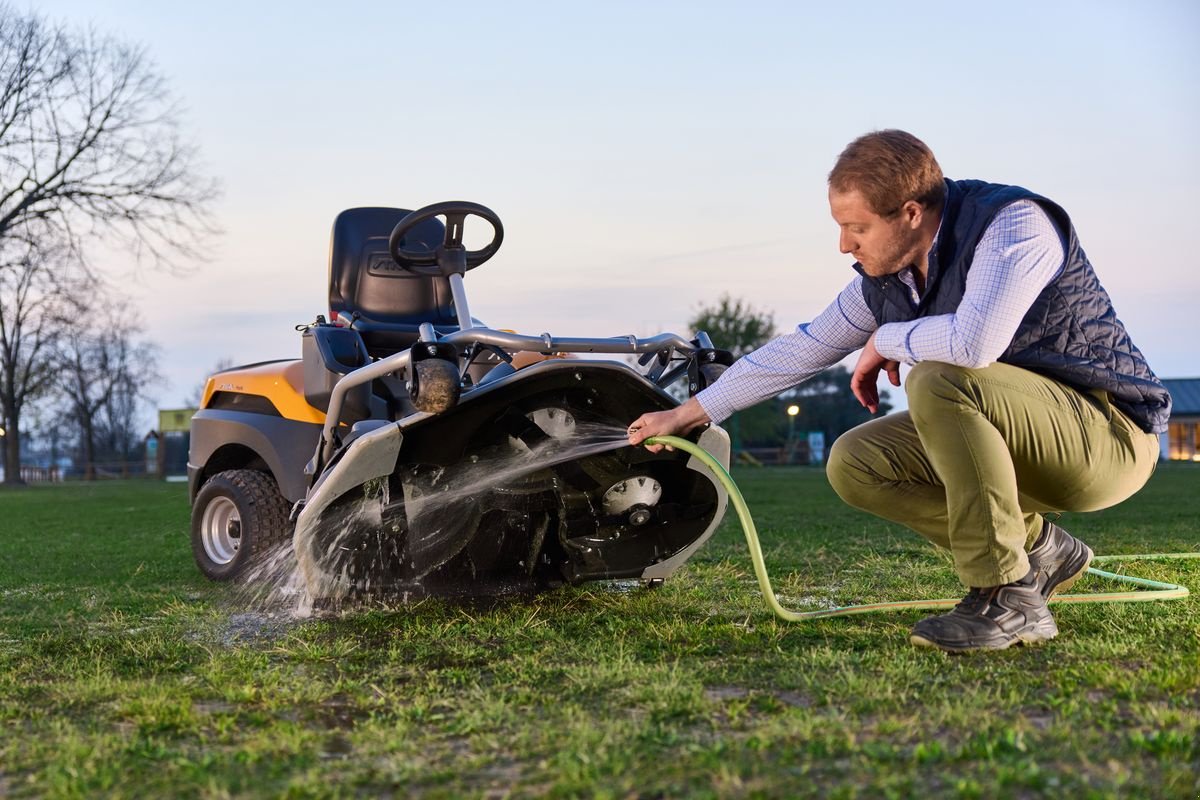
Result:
[[450, 257]]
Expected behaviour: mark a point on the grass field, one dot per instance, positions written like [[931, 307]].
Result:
[[125, 674]]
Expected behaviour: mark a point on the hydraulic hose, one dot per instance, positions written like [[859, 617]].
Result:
[[1157, 589]]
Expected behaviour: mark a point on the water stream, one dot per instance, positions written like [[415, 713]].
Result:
[[442, 507]]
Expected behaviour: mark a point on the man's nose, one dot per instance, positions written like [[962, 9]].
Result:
[[845, 244]]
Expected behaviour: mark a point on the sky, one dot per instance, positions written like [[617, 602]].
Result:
[[647, 157]]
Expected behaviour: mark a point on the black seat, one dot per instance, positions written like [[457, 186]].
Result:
[[387, 303]]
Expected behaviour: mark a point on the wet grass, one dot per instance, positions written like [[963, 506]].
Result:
[[124, 674]]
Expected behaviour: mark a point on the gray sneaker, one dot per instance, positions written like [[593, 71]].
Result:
[[1058, 559], [990, 619]]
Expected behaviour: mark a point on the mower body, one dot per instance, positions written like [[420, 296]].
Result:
[[412, 449]]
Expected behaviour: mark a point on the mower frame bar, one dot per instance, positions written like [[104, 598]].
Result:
[[511, 342]]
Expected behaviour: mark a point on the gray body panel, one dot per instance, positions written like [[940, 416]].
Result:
[[284, 445]]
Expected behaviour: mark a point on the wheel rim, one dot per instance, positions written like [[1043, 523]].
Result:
[[221, 530]]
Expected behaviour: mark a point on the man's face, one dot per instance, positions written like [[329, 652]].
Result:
[[883, 246]]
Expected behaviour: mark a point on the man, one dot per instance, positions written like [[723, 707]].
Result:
[[1026, 394]]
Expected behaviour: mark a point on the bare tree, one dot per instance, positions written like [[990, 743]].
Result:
[[36, 300], [120, 436], [90, 151], [90, 145], [103, 369]]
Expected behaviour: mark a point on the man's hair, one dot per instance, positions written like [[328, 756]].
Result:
[[889, 168]]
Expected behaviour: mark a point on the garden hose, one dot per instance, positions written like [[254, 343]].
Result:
[[1157, 589]]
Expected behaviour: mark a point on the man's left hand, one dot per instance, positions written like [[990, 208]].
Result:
[[866, 375]]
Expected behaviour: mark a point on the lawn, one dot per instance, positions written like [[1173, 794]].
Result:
[[123, 673]]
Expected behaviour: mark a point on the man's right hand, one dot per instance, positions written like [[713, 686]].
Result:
[[675, 422], [866, 373]]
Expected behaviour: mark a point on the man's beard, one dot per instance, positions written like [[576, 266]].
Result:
[[896, 256]]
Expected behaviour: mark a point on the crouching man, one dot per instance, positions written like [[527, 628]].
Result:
[[1026, 394]]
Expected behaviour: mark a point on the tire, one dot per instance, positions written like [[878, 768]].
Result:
[[238, 520]]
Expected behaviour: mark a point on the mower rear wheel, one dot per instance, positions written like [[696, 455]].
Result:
[[239, 518]]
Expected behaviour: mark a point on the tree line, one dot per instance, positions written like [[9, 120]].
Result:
[[92, 159]]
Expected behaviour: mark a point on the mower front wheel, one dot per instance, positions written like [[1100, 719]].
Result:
[[239, 518]]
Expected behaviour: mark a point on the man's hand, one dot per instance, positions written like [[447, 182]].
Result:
[[866, 375], [677, 421]]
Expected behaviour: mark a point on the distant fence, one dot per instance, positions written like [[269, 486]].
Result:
[[41, 474], [796, 453], [98, 471], [112, 470]]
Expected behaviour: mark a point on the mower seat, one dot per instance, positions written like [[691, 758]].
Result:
[[387, 303]]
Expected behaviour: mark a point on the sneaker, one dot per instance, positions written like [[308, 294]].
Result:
[[1058, 559], [990, 619]]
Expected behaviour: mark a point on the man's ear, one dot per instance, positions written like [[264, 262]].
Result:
[[913, 213]]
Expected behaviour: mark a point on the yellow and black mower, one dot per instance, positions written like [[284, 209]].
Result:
[[412, 448]]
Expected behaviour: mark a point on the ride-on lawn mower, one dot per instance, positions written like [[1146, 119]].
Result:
[[411, 448]]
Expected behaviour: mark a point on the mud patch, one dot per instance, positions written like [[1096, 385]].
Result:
[[719, 694], [252, 627], [338, 712], [211, 707], [336, 747], [795, 699]]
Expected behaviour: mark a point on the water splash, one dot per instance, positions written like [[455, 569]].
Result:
[[360, 545], [463, 481]]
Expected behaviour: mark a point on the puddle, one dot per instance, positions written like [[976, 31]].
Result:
[[624, 586], [249, 627]]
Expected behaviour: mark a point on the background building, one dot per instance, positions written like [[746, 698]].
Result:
[[1181, 442], [174, 426]]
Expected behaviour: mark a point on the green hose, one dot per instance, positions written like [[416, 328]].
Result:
[[1158, 590]]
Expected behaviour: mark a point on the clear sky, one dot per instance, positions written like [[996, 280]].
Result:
[[646, 157]]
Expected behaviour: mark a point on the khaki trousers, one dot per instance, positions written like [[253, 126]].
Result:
[[982, 453]]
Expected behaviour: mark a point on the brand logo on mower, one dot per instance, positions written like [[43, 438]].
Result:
[[384, 265]]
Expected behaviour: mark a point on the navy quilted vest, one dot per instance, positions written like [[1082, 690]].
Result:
[[1071, 332]]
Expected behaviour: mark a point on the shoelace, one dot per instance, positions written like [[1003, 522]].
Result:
[[976, 599]]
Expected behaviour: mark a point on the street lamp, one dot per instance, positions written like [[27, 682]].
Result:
[[792, 411]]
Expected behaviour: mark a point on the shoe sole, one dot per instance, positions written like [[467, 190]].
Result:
[[1075, 572], [1034, 634]]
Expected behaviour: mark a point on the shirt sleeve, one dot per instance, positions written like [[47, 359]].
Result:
[[1020, 253], [793, 358]]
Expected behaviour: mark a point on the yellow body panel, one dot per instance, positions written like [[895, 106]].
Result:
[[281, 382]]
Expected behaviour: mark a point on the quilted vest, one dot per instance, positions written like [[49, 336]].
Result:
[[1070, 334]]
